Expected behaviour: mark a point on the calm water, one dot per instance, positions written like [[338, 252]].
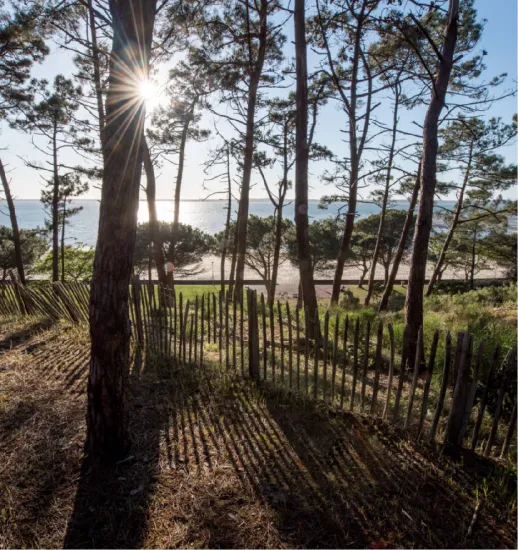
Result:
[[208, 216]]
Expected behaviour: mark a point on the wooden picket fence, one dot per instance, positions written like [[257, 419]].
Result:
[[349, 364]]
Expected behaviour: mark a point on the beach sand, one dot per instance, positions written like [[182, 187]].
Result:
[[288, 277]]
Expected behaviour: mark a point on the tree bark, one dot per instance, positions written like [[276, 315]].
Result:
[[473, 261], [402, 244], [14, 224], [63, 240], [242, 219], [97, 72], [301, 170], [154, 230], [107, 418], [278, 221], [384, 203], [227, 225], [414, 297], [55, 208], [355, 146], [181, 162], [454, 223]]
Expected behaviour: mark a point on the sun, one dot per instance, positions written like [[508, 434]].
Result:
[[149, 93]]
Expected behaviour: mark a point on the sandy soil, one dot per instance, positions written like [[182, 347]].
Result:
[[288, 274]]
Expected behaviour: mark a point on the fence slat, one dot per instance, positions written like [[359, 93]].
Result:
[[326, 351], [429, 374], [317, 346], [356, 344], [401, 381], [391, 371], [365, 364], [290, 347], [444, 386], [335, 356], [306, 350], [234, 333], [297, 330], [281, 338], [510, 363], [272, 339], [344, 360], [265, 346], [377, 367], [472, 391], [483, 402], [460, 394]]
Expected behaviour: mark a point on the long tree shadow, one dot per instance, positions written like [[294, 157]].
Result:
[[111, 508]]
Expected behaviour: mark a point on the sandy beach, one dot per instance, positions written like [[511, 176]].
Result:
[[209, 269]]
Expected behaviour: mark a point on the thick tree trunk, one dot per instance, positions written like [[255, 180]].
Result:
[[301, 170], [389, 285], [55, 208], [414, 297], [107, 418], [454, 223], [14, 224], [154, 230], [242, 219], [384, 203]]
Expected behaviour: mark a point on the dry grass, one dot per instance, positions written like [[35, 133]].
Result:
[[217, 462]]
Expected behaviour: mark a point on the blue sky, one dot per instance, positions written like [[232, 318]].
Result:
[[499, 40]]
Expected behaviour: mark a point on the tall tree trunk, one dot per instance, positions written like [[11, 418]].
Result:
[[14, 224], [276, 252], [97, 72], [242, 219], [362, 276], [64, 214], [384, 203], [55, 207], [454, 223], [473, 260], [107, 418], [301, 170], [181, 162], [232, 276], [154, 229], [414, 297], [356, 145], [279, 217], [409, 220], [227, 225]]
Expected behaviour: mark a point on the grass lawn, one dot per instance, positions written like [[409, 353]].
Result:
[[218, 462]]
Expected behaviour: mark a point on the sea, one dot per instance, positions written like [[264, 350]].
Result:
[[207, 215]]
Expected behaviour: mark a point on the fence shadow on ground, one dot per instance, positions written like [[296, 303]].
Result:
[[218, 462]]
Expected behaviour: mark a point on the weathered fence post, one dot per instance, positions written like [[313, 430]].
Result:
[[420, 348], [391, 372], [253, 336], [429, 374], [482, 407], [444, 386], [510, 363], [460, 393], [377, 368]]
